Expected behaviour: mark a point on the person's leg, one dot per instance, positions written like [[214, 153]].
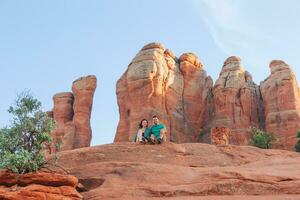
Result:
[[152, 139], [145, 140], [163, 135], [139, 137]]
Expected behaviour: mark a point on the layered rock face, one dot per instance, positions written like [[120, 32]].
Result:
[[187, 101], [157, 83], [38, 185], [237, 102], [72, 113], [184, 171], [281, 96]]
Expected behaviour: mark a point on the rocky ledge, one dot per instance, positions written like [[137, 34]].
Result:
[[38, 186], [184, 171]]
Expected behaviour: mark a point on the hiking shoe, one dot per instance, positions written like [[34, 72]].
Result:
[[152, 141], [159, 140]]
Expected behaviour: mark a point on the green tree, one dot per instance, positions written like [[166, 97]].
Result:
[[23, 143], [262, 139], [297, 146]]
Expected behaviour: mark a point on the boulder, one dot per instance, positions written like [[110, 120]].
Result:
[[220, 136]]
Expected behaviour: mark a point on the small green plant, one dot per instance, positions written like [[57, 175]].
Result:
[[262, 139], [201, 136], [297, 146], [23, 143], [298, 134]]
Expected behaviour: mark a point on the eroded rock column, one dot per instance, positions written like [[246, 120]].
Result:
[[237, 102], [281, 98], [63, 115], [83, 90], [72, 113]]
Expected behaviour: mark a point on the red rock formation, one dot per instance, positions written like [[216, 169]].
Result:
[[63, 107], [184, 171], [237, 102], [39, 185], [83, 90], [195, 90], [141, 89], [72, 112], [281, 97], [157, 83], [220, 136], [187, 101], [63, 115]]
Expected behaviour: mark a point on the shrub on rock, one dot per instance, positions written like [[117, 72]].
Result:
[[297, 146], [23, 143], [262, 139]]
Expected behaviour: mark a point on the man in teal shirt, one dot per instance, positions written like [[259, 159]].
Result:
[[158, 131]]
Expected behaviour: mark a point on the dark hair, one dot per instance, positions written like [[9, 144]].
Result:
[[141, 123], [155, 116]]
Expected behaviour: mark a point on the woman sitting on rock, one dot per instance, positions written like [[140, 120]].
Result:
[[143, 132]]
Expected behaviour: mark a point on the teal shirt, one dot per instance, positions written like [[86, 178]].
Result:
[[147, 133], [155, 130]]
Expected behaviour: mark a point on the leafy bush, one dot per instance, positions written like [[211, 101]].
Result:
[[23, 143], [262, 139], [297, 146], [298, 134]]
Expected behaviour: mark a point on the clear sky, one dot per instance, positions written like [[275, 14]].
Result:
[[45, 45]]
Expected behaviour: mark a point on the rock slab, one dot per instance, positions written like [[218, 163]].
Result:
[[184, 171], [37, 186]]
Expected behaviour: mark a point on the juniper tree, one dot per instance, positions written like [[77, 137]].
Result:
[[23, 142]]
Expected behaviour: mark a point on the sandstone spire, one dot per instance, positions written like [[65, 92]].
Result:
[[281, 99], [72, 112], [237, 101]]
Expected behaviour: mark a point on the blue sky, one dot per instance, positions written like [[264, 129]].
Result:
[[45, 45]]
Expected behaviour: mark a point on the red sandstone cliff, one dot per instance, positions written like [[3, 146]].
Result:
[[156, 82], [187, 101]]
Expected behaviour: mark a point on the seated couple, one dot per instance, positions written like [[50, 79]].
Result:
[[156, 134]]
